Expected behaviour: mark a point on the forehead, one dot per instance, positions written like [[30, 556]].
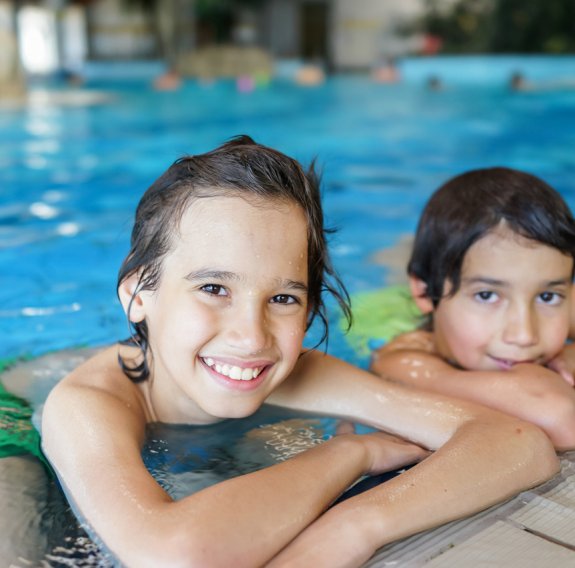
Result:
[[505, 252], [241, 234], [211, 209]]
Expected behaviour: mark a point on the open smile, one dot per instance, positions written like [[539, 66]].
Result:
[[233, 372]]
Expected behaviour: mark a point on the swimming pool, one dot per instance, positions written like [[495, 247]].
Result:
[[71, 175], [74, 166]]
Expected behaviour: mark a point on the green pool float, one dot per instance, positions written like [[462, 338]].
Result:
[[17, 434], [379, 316]]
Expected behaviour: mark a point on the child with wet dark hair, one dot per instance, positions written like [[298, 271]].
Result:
[[492, 269], [226, 272]]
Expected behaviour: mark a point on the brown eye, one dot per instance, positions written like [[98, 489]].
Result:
[[214, 290], [550, 298], [486, 296], [284, 299]]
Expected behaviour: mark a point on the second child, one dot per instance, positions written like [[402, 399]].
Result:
[[492, 268]]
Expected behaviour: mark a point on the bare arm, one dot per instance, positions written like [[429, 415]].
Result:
[[484, 457], [530, 392], [93, 427]]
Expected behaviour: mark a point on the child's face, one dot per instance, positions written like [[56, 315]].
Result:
[[513, 305], [228, 318]]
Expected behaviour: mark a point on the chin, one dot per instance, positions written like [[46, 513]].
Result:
[[243, 412]]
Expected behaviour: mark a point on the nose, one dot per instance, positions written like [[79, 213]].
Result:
[[521, 327], [248, 330]]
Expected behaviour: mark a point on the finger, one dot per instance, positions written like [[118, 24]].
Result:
[[568, 377], [344, 427], [560, 367]]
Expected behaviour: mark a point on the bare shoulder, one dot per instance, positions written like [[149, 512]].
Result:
[[101, 374], [95, 399]]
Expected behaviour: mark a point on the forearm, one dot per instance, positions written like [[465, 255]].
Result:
[[327, 385], [481, 465], [529, 392], [244, 521], [258, 514]]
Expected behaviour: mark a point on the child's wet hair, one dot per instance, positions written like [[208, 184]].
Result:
[[240, 167], [471, 205]]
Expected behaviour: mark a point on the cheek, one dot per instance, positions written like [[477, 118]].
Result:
[[292, 336], [555, 334], [180, 322], [461, 338]]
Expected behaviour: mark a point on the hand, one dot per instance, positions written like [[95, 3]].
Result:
[[564, 364], [387, 452]]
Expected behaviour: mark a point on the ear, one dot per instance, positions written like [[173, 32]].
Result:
[[131, 300], [419, 292]]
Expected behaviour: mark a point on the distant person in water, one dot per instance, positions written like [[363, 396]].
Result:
[[434, 83], [168, 81], [386, 71], [517, 82]]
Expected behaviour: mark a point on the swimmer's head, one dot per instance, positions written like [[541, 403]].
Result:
[[243, 168], [474, 204]]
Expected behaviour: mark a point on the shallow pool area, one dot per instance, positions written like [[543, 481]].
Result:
[[73, 165]]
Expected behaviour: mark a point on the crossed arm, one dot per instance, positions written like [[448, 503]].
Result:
[[476, 447], [94, 425], [531, 392]]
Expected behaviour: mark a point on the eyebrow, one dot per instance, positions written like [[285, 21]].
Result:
[[208, 274], [226, 276], [503, 283]]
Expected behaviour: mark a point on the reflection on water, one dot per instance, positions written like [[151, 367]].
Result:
[[187, 459]]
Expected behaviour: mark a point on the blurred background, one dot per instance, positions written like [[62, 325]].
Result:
[[270, 36]]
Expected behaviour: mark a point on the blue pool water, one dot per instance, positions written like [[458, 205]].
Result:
[[71, 175]]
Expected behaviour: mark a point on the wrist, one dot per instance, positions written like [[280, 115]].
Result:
[[355, 450]]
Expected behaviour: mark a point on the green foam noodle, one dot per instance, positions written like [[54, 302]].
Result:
[[381, 315]]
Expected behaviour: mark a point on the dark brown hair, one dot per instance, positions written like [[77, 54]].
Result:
[[469, 206]]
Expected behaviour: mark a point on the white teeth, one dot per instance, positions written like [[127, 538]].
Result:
[[232, 371], [235, 373]]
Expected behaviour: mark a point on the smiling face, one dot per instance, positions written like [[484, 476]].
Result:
[[513, 304], [228, 318]]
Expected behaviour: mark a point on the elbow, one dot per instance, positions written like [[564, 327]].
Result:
[[558, 422], [537, 452], [185, 547], [524, 453], [167, 546]]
